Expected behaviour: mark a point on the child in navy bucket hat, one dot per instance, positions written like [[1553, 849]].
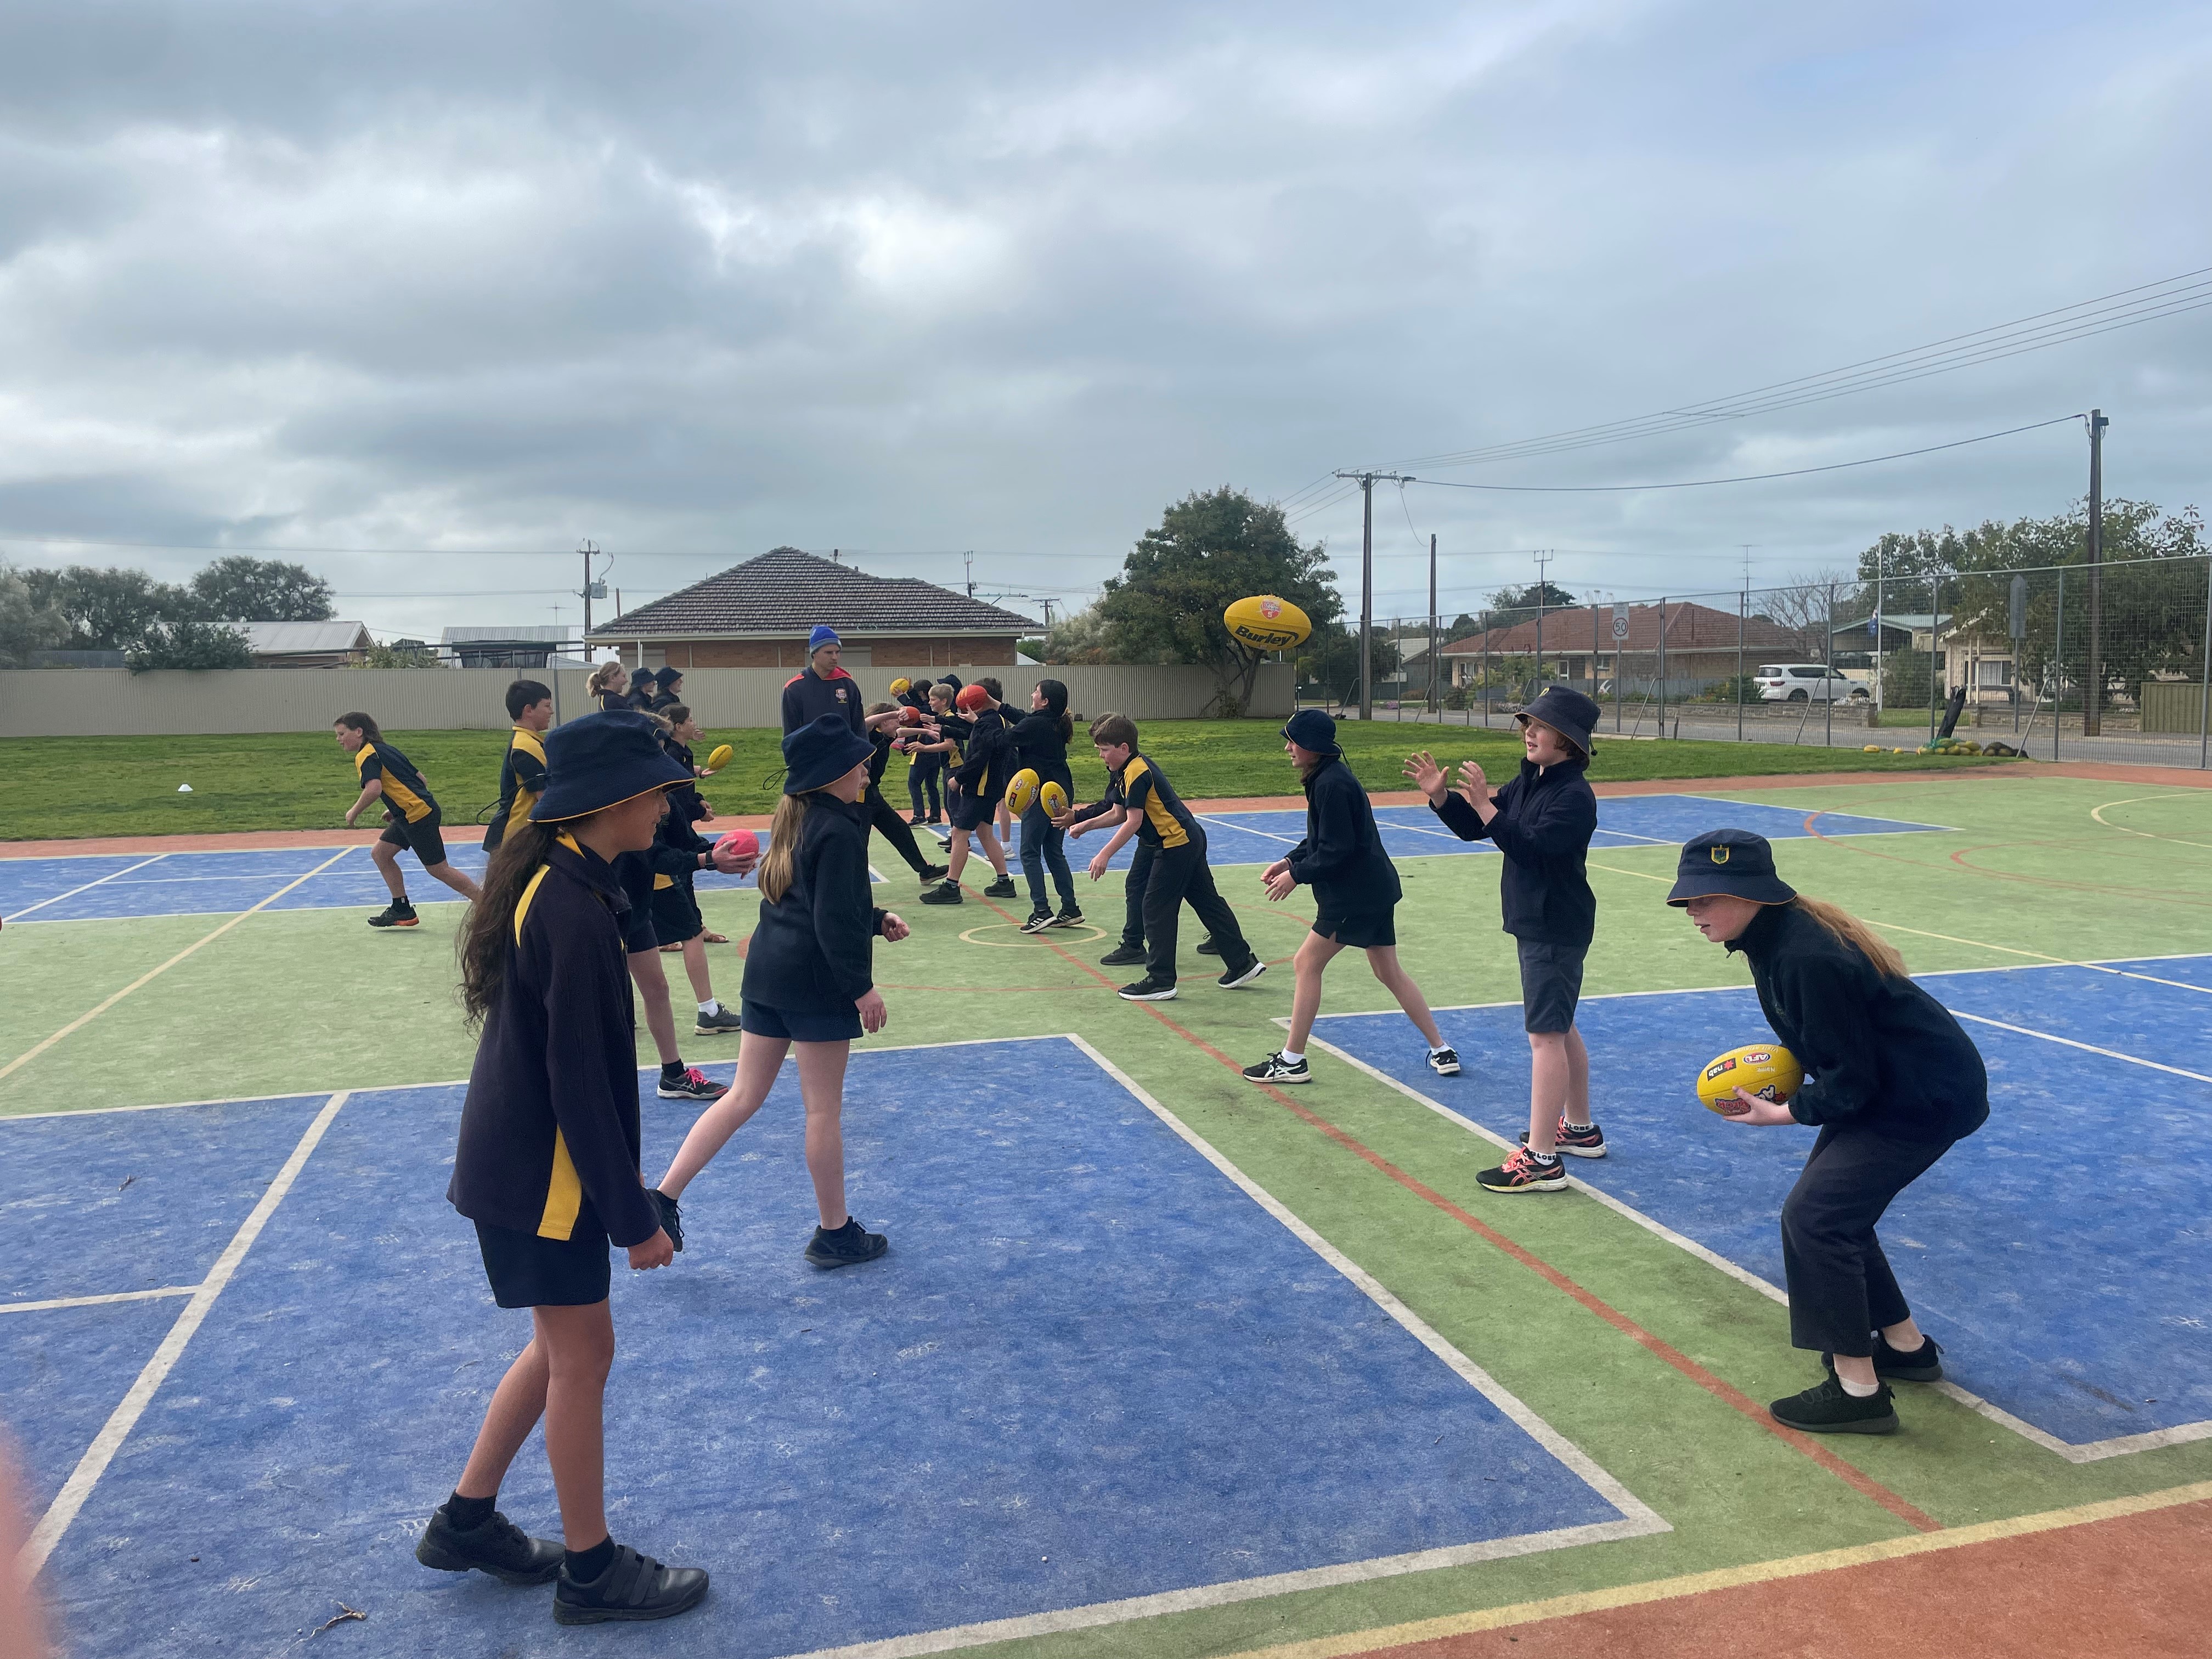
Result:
[[1542, 822], [809, 980]]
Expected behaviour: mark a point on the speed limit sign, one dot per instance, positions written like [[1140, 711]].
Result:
[[1620, 628]]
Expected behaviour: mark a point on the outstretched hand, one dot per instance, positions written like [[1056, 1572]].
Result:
[[1472, 783], [1428, 777]]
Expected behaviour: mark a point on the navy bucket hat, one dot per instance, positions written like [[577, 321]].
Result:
[[1311, 728], [1733, 862], [599, 760], [1570, 713], [821, 752]]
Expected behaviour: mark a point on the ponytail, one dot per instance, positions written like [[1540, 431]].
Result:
[[778, 866], [1852, 932]]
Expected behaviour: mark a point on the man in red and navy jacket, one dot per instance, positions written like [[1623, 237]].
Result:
[[824, 687]]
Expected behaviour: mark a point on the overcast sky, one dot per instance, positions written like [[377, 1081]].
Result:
[[696, 281]]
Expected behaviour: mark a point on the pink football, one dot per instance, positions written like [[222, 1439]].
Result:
[[742, 842]]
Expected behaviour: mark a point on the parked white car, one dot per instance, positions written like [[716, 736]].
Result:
[[1807, 682]]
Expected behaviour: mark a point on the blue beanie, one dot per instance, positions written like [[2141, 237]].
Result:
[[823, 634]]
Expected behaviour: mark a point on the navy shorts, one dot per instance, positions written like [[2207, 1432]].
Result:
[[637, 878], [793, 1026], [422, 835], [676, 914], [1359, 930], [1551, 984], [968, 811], [526, 1271]]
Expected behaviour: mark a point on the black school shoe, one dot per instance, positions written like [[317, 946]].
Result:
[[1207, 947], [1002, 888], [944, 892], [692, 1084], [498, 1547], [845, 1245], [398, 913], [1243, 976], [1924, 1364], [634, 1587], [1276, 1069], [1123, 956], [1038, 922], [1149, 990], [1827, 1408], [1071, 915], [723, 1021], [671, 1216], [930, 873]]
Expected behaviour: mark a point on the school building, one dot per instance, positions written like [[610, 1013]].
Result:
[[758, 614]]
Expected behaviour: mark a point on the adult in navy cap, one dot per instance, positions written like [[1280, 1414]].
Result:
[[1355, 894], [547, 1164], [823, 687], [1894, 1083], [809, 975], [1542, 822]]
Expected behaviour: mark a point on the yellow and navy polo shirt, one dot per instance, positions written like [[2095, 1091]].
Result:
[[1161, 818], [521, 781], [405, 795]]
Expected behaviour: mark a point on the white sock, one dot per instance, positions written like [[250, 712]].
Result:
[[1438, 1047], [1295, 1058], [1859, 1390], [711, 1005]]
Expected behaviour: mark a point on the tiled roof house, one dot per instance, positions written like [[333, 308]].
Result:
[[758, 614], [1701, 641]]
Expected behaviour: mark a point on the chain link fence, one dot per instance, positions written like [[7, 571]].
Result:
[[2068, 662]]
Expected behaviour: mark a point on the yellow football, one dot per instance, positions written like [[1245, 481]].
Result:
[[901, 686], [1021, 791], [1266, 623], [722, 756], [1052, 797], [1765, 1069]]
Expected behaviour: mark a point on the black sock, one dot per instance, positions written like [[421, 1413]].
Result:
[[584, 1566], [470, 1513], [671, 1069]]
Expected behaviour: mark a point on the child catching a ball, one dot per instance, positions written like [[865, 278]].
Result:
[[1895, 1082], [1040, 739], [1355, 894], [808, 980], [1542, 822], [547, 1167], [973, 791]]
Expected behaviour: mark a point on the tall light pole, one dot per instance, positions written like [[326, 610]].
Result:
[[2092, 686], [1367, 582]]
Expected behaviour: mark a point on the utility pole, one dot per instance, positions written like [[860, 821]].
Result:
[[1435, 703], [585, 592], [1367, 582], [970, 557], [1543, 557], [2093, 683]]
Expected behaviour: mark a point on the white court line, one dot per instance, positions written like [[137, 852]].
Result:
[[86, 887], [2089, 1047], [1641, 1520], [96, 1301], [125, 1418], [1919, 827], [32, 1053]]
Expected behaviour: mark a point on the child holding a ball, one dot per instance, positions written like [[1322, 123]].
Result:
[[1896, 1082], [1542, 822]]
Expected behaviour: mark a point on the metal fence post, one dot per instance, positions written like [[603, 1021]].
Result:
[[1485, 670], [2204, 681], [1742, 606], [2058, 658], [1663, 666], [1828, 661]]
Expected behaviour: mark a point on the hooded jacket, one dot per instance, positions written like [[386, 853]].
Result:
[[1545, 818]]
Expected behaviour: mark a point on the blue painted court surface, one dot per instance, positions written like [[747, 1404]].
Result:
[[1091, 1368], [109, 886], [2060, 1253]]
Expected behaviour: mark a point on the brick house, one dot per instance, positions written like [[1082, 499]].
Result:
[[1701, 643], [758, 614]]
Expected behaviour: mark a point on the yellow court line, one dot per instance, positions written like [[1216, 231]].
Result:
[[1754, 1572], [83, 1020]]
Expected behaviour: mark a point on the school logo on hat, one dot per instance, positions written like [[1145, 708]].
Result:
[[1719, 854]]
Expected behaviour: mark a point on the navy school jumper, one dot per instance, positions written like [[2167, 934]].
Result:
[[1545, 817], [1341, 856], [811, 949]]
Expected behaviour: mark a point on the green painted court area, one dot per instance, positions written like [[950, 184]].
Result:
[[1627, 1317]]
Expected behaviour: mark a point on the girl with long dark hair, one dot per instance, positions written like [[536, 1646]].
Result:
[[1040, 739]]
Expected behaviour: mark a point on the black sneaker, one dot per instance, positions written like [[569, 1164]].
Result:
[[1828, 1408], [1444, 1062], [1149, 990], [398, 913], [692, 1084], [498, 1547], [1123, 956], [847, 1244], [1276, 1069], [671, 1216], [1244, 975], [1207, 947], [944, 892], [1524, 1172], [1038, 922], [1587, 1141], [1925, 1364], [1002, 888], [633, 1589], [934, 872], [722, 1022], [916, 821], [1071, 915]]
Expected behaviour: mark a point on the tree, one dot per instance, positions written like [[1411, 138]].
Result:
[[188, 643], [1549, 593], [27, 626], [400, 654], [1802, 608], [108, 610], [1078, 637], [1210, 550], [243, 589]]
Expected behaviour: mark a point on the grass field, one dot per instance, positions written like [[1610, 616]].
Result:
[[63, 787]]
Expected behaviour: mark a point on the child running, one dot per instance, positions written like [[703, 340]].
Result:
[[547, 1169], [522, 771], [1356, 892], [1542, 822], [973, 794], [808, 980], [411, 818], [1141, 800], [1039, 740], [1894, 1083]]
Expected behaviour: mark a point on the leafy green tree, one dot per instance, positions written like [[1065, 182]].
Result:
[[1548, 593], [1078, 637], [1209, 550], [188, 643], [108, 610], [244, 589], [26, 627], [400, 654]]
